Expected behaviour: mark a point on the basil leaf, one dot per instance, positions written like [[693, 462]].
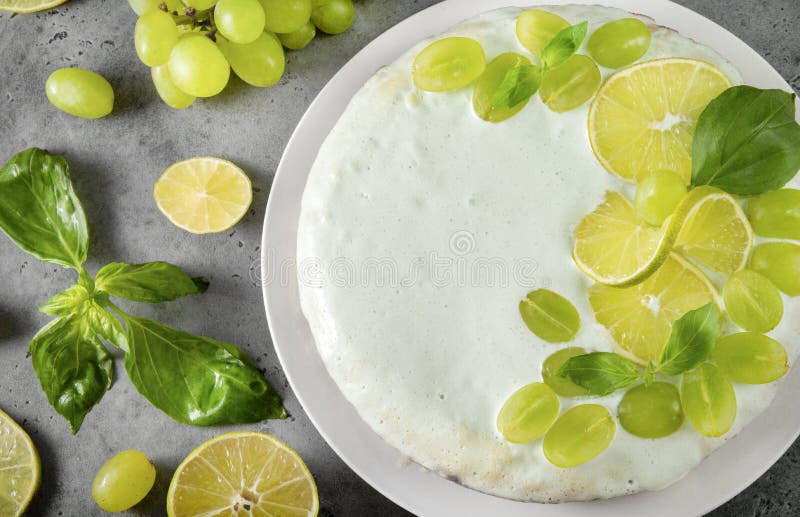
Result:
[[66, 302], [151, 282], [519, 84], [600, 373], [73, 367], [39, 210], [196, 380], [690, 341], [564, 45], [105, 325], [747, 141]]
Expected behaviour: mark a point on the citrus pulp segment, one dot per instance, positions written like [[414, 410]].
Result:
[[20, 470], [243, 473], [28, 6], [643, 117]]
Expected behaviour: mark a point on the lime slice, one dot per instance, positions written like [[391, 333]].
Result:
[[203, 195], [28, 6], [243, 473], [644, 116], [20, 470], [639, 318]]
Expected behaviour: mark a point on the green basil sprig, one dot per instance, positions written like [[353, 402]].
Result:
[[564, 44], [519, 84], [194, 379], [747, 141], [689, 345]]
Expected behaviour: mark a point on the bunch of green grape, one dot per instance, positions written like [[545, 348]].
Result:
[[192, 45]]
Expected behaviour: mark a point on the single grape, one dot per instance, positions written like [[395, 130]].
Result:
[[619, 43], [780, 262], [570, 84], [80, 92], [579, 435], [142, 6], [123, 481], [550, 316], [200, 5], [490, 80], [333, 16], [708, 400], [751, 358], [562, 386], [154, 36], [240, 21], [528, 413], [198, 67], [752, 301], [657, 196], [169, 93], [285, 16], [776, 214], [651, 411], [300, 38], [259, 63], [448, 64], [535, 29]]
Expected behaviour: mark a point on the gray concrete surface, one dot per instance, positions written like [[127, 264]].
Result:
[[115, 162]]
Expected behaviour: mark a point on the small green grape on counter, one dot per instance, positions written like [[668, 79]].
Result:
[[550, 316], [579, 435], [651, 411], [528, 413], [240, 21], [198, 67], [300, 38], [80, 92], [154, 36], [260, 63], [619, 43], [169, 93], [570, 84], [535, 28], [333, 16], [657, 196], [200, 5], [123, 481], [448, 64], [550, 367], [776, 214], [490, 80], [286, 16], [142, 6], [751, 358], [708, 400], [780, 262], [752, 301]]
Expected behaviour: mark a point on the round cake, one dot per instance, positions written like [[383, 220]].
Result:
[[423, 226]]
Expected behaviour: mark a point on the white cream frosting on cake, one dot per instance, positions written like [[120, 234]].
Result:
[[412, 211]]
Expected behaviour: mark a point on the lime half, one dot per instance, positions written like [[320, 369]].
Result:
[[20, 470]]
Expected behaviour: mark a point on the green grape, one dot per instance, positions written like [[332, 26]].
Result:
[[333, 16], [570, 84], [708, 400], [490, 80], [751, 358], [259, 63], [448, 64], [579, 435], [300, 38], [200, 5], [240, 21], [551, 365], [752, 301], [285, 16], [550, 316], [535, 29], [780, 262], [167, 90], [123, 481], [776, 214], [528, 413], [651, 411], [657, 196], [142, 6], [154, 36], [198, 67], [619, 43], [80, 92]]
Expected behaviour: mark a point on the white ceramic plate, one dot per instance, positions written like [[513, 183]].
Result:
[[718, 478]]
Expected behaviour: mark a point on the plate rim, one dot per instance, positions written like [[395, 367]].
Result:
[[780, 420]]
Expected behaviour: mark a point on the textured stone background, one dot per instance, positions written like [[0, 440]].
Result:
[[115, 162]]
